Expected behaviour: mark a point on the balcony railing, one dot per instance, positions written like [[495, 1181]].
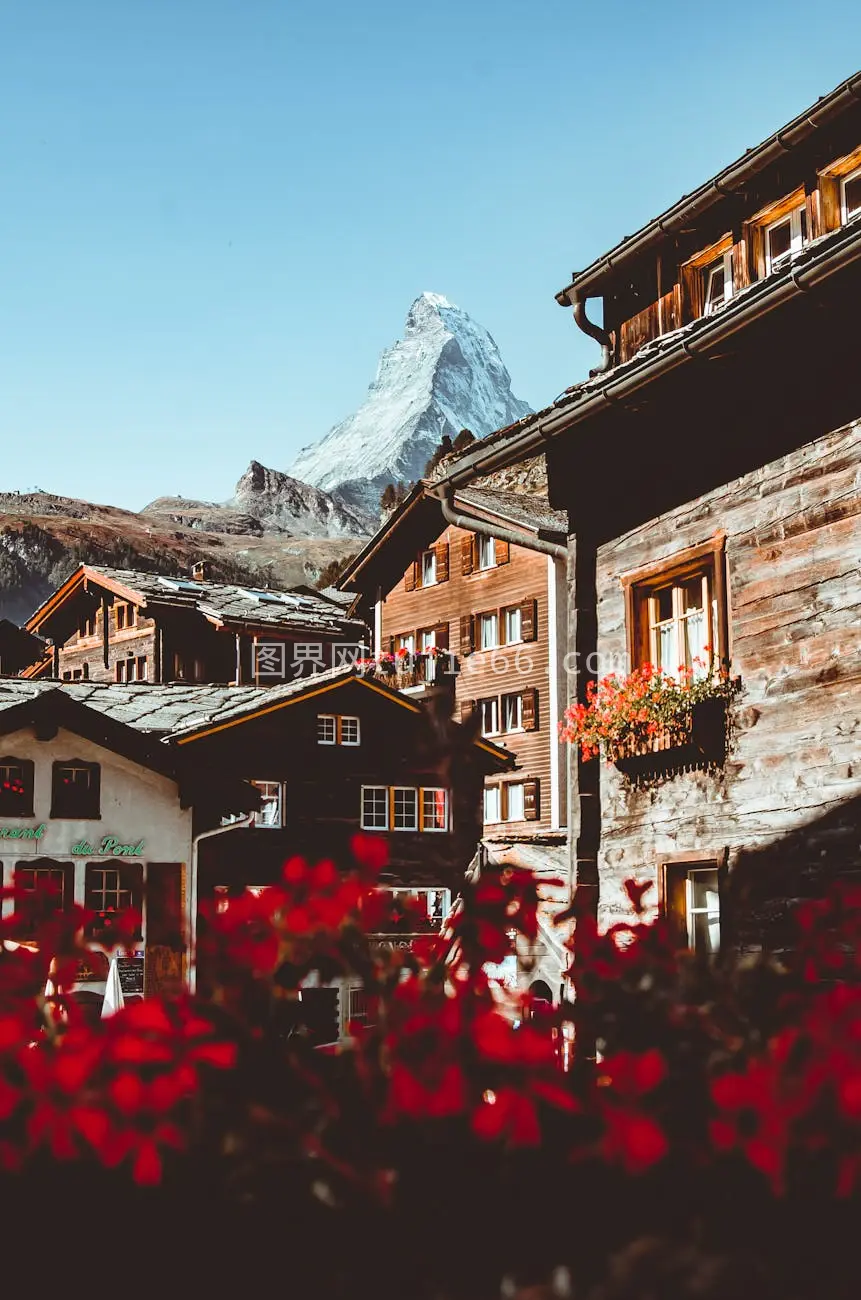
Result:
[[406, 671]]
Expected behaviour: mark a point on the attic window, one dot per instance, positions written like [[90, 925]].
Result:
[[428, 568], [850, 189], [717, 284], [784, 238]]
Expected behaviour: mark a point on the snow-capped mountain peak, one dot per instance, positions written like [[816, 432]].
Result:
[[444, 375]]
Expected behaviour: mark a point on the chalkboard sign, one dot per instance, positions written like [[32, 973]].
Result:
[[131, 973]]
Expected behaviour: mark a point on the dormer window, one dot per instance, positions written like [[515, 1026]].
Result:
[[717, 284], [784, 238], [850, 193]]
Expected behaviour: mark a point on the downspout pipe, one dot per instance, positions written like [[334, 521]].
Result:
[[594, 331], [241, 824], [444, 493]]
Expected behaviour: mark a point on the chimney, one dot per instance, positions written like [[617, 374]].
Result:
[[200, 571]]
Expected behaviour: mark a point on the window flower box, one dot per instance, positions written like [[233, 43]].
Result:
[[651, 723]]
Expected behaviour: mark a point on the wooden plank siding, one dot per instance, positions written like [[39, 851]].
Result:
[[785, 807], [485, 674]]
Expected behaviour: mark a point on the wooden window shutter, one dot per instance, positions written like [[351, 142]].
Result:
[[467, 554], [441, 636], [467, 634], [410, 577], [529, 620], [441, 550], [467, 709], [531, 801], [530, 709], [501, 551]]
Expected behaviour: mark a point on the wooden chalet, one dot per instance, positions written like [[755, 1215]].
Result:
[[466, 595], [123, 625], [710, 468]]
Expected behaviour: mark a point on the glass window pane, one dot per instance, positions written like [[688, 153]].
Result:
[[429, 568], [405, 809], [513, 625], [692, 593], [694, 635], [663, 604], [515, 803], [667, 648], [486, 553], [349, 731], [489, 633], [434, 809], [852, 196], [779, 239], [715, 286], [326, 730], [704, 888], [705, 932], [491, 803], [375, 808]]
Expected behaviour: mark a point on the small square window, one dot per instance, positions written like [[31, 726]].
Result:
[[375, 808], [327, 729], [75, 790], [350, 731], [405, 808], [486, 553]]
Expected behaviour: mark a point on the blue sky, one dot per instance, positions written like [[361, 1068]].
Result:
[[215, 214]]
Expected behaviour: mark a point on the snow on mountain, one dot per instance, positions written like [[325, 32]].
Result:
[[444, 375], [283, 502]]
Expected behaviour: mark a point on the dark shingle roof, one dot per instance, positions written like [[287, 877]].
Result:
[[229, 603]]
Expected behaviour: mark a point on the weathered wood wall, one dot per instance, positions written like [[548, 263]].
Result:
[[787, 804]]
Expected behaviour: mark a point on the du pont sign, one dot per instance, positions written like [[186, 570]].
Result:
[[109, 847]]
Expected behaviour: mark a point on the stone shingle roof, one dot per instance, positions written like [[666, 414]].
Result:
[[167, 711], [229, 603], [531, 512]]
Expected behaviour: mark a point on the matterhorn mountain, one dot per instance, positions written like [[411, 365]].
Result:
[[444, 375]]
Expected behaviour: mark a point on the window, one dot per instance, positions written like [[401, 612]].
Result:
[[717, 284], [492, 803], [405, 645], [428, 562], [850, 193], [51, 882], [488, 631], [405, 808], [141, 668], [350, 731], [676, 612], [489, 710], [486, 553], [16, 787], [327, 729], [784, 237], [515, 809], [75, 791], [512, 712], [87, 626], [375, 808], [109, 891], [426, 639], [333, 729], [513, 624], [434, 809], [270, 814], [691, 900]]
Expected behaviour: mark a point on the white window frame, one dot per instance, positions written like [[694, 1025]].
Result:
[[435, 790], [492, 792], [489, 705], [515, 785], [493, 621], [428, 568], [725, 263], [514, 612], [486, 548], [326, 718], [845, 215], [797, 237], [404, 789], [713, 913], [363, 821], [515, 699], [426, 640], [349, 717], [406, 641], [266, 788]]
